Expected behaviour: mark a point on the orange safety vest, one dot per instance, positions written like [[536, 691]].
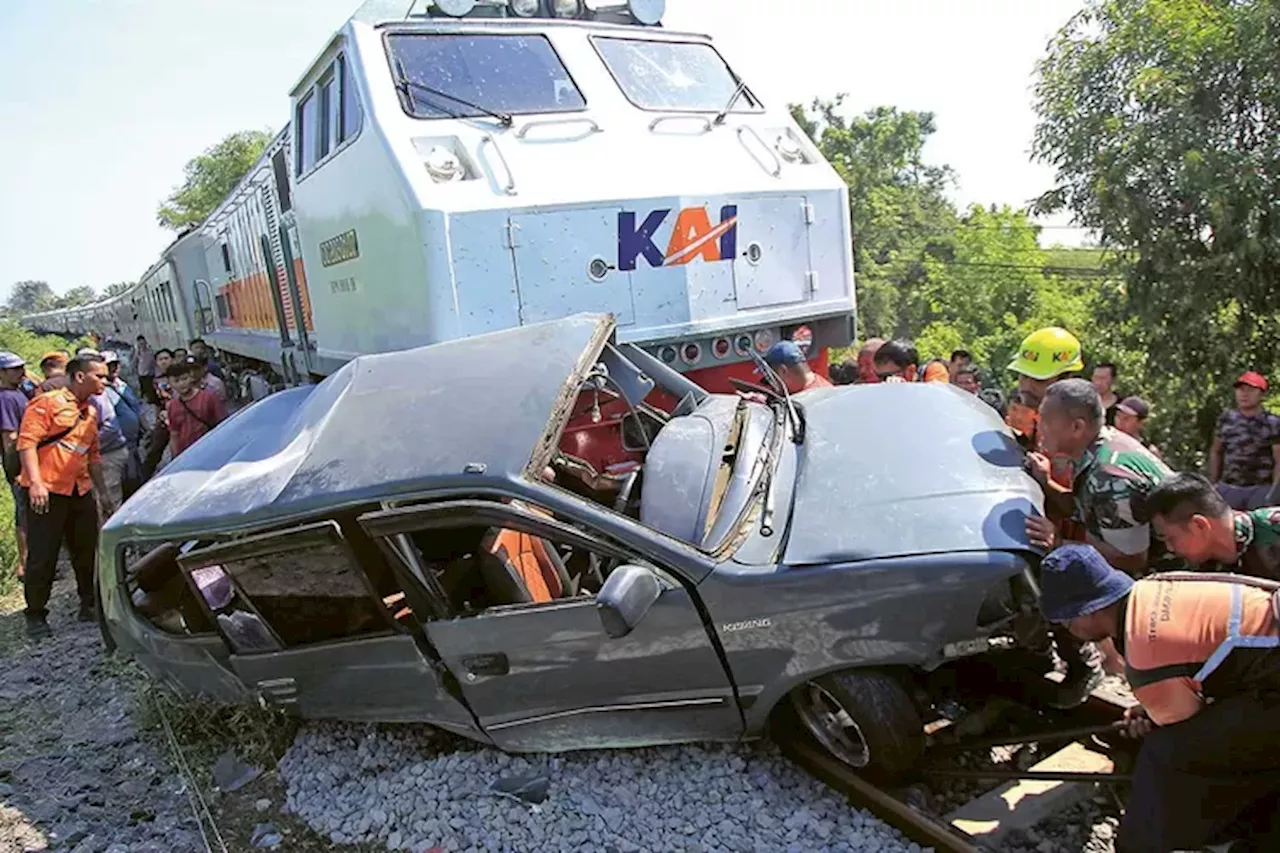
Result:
[[1182, 627]]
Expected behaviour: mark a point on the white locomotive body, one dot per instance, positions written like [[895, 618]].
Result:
[[446, 176]]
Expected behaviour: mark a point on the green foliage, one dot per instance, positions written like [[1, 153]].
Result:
[[977, 280], [28, 297], [900, 212], [76, 296], [118, 288], [1160, 118], [209, 177], [8, 544], [31, 346]]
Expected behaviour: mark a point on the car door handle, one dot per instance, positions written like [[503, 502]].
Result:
[[491, 664]]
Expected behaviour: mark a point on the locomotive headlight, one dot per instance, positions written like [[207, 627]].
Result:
[[524, 8], [566, 8], [647, 12], [456, 8], [443, 165]]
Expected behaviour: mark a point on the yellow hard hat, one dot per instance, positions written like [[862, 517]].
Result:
[[1048, 353]]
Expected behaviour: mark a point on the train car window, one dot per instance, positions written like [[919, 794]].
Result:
[[223, 313], [512, 74], [226, 255], [671, 75], [349, 123], [324, 116], [281, 170], [303, 129]]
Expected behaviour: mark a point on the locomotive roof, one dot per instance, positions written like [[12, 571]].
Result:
[[382, 426]]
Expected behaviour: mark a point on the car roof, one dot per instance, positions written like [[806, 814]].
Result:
[[467, 411]]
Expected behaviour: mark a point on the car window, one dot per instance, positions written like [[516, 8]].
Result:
[[158, 590], [292, 589], [474, 566]]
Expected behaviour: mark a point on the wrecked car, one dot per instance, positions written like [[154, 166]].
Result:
[[413, 540]]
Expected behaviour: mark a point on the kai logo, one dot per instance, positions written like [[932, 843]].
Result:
[[693, 236]]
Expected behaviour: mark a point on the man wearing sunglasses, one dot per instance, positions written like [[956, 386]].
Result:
[[897, 361]]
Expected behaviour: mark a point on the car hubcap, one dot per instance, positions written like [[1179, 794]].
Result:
[[833, 726]]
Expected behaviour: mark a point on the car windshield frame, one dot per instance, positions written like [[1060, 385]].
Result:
[[748, 97], [415, 104]]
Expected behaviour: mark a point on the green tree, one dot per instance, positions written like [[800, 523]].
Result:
[[118, 288], [1160, 118], [208, 178], [898, 205], [997, 286], [30, 296], [82, 295]]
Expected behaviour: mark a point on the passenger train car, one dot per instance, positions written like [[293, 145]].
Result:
[[475, 165]]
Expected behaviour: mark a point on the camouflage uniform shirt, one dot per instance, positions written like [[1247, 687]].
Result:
[[1115, 470], [1258, 542], [1246, 447]]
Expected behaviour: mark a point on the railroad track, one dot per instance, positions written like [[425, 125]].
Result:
[[1011, 807]]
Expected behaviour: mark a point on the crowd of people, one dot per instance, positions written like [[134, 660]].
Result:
[[1169, 578], [1244, 461], [77, 440]]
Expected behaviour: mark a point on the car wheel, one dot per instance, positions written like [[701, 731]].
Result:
[[865, 719]]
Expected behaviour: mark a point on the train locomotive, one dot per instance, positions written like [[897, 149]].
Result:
[[466, 166]]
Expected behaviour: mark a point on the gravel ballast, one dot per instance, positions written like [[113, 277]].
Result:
[[77, 776], [404, 788]]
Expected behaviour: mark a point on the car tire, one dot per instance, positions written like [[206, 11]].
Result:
[[865, 719]]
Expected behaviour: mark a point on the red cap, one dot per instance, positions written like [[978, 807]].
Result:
[[1253, 379]]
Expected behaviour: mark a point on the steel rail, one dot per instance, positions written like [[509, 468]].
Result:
[[1031, 737], [1019, 775], [918, 827]]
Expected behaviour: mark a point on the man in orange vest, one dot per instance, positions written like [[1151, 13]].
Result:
[[62, 478], [1202, 655]]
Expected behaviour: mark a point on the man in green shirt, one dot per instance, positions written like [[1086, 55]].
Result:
[[1196, 523], [1113, 473]]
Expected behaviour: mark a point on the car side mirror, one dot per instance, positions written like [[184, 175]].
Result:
[[625, 598]]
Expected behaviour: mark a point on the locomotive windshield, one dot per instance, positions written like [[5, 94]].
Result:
[[668, 75], [465, 76]]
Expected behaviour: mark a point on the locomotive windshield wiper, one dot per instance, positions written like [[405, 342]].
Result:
[[733, 99], [403, 81]]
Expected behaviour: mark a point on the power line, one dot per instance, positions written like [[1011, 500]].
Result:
[[1045, 268]]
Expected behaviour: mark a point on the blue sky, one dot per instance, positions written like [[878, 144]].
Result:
[[104, 101]]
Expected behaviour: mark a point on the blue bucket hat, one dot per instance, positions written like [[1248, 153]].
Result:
[[784, 354], [1075, 580]]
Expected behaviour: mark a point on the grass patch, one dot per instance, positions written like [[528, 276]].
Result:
[[8, 546], [204, 730]]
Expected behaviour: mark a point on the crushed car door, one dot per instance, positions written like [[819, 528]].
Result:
[[310, 631], [545, 675]]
